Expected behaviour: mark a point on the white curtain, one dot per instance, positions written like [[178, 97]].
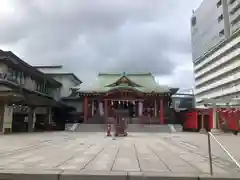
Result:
[[101, 109], [34, 119], [140, 108], [92, 108], [155, 108]]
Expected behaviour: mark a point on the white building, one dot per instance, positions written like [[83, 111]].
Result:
[[68, 81], [216, 49]]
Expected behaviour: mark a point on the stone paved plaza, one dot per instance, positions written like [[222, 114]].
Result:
[[160, 153]]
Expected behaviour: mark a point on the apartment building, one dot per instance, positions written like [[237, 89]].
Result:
[[216, 49]]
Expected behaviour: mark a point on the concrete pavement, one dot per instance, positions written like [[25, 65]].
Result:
[[65, 155]]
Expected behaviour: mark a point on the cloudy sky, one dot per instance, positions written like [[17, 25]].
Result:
[[88, 36]]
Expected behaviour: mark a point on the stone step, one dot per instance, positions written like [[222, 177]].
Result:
[[91, 128], [148, 128], [131, 128]]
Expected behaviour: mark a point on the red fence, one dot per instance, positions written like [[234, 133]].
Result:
[[226, 118], [229, 118], [192, 119]]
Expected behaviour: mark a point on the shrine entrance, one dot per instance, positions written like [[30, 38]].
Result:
[[128, 106], [122, 101]]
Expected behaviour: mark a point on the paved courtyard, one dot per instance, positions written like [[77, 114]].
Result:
[[174, 153]]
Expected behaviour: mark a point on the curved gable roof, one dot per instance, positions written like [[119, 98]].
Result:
[[145, 83]]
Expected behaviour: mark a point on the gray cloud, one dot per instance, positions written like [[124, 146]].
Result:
[[100, 35]]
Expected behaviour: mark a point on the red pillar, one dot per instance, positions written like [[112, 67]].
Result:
[[85, 109], [161, 113]]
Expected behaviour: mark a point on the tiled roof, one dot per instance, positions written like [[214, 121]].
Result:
[[143, 82]]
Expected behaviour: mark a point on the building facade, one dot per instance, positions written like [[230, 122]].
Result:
[[29, 99], [67, 79], [215, 47], [69, 82]]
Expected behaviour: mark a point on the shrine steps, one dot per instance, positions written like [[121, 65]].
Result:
[[168, 128], [90, 128], [148, 128]]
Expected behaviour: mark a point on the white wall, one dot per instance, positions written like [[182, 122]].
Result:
[[67, 83], [62, 76], [205, 34], [8, 116]]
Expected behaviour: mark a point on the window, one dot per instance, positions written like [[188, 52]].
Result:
[[221, 33], [220, 18], [15, 76], [219, 3], [193, 21]]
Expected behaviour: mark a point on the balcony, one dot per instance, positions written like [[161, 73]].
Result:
[[221, 82], [219, 93], [234, 8], [219, 62], [220, 51], [215, 74], [28, 84]]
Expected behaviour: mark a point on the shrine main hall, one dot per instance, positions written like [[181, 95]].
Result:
[[139, 94]]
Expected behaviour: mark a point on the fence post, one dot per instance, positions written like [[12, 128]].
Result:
[[210, 154]]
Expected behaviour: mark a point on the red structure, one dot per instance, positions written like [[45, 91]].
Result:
[[225, 119]]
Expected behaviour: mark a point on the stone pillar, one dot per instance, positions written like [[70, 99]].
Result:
[[161, 113], [48, 120], [85, 109], [214, 118], [6, 116], [50, 115], [140, 108], [34, 120], [31, 119]]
